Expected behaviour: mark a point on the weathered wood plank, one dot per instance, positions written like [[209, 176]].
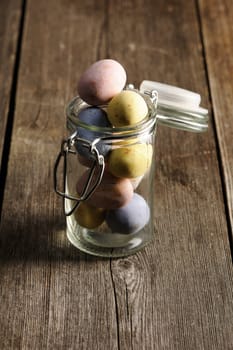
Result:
[[177, 294], [218, 39], [9, 28], [52, 296]]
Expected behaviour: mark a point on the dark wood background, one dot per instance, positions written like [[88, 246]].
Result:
[[177, 292]]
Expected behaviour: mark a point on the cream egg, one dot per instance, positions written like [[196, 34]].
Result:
[[127, 108], [131, 161], [88, 216]]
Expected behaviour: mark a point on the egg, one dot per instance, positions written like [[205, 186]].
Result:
[[101, 81], [88, 216], [112, 192], [131, 161], [127, 108], [130, 218], [96, 117]]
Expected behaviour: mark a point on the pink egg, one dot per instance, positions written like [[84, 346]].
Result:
[[112, 193], [101, 82]]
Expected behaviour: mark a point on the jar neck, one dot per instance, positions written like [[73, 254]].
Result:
[[146, 126]]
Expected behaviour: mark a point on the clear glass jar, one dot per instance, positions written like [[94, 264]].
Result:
[[108, 176]]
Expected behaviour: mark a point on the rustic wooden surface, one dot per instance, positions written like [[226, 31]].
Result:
[[10, 12], [177, 292]]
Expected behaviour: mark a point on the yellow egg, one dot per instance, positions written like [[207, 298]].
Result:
[[88, 216], [131, 161], [126, 108]]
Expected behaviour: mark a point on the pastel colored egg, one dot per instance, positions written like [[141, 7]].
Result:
[[88, 216], [131, 161], [130, 218], [113, 192], [92, 116], [101, 81], [127, 108]]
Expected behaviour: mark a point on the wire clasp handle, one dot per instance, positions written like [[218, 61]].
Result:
[[97, 169]]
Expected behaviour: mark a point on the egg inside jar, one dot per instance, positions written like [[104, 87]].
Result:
[[111, 118]]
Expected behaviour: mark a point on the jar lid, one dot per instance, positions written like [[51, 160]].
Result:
[[176, 107]]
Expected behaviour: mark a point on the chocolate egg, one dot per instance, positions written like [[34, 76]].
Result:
[[92, 116], [131, 218], [101, 81], [88, 216], [113, 192], [131, 161], [127, 108]]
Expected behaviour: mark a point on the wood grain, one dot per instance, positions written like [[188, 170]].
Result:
[[181, 277], [9, 30], [49, 289], [177, 292], [216, 19]]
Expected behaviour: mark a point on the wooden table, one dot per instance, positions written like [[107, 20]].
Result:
[[177, 292]]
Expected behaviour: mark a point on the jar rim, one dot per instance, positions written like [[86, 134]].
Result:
[[77, 104]]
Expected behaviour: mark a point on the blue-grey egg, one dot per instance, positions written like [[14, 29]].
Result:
[[97, 117], [130, 218]]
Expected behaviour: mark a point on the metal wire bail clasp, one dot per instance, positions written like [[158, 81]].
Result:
[[97, 169]]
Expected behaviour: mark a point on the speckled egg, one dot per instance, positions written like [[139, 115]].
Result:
[[127, 108], [92, 116], [131, 161], [113, 192], [131, 218], [101, 81], [88, 216]]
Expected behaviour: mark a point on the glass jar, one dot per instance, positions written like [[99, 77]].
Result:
[[108, 172]]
